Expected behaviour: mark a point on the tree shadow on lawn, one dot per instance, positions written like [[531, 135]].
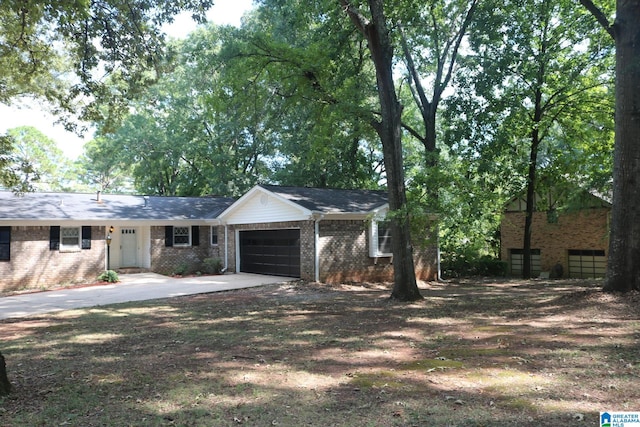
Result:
[[511, 353]]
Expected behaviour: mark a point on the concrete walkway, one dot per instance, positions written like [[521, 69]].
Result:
[[132, 287]]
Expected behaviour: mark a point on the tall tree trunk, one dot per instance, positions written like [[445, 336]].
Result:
[[623, 269], [389, 129], [5, 386]]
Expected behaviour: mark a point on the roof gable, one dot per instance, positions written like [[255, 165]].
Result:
[[272, 203], [259, 205]]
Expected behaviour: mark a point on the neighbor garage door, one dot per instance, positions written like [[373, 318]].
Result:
[[275, 252], [587, 263], [517, 259]]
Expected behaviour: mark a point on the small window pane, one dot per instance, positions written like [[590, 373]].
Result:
[[384, 237], [181, 235], [214, 236], [70, 237]]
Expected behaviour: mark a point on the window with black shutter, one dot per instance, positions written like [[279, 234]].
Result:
[[181, 236]]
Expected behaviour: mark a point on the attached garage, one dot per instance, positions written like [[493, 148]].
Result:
[[587, 263], [273, 252]]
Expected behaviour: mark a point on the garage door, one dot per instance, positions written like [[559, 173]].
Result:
[[587, 263], [517, 259], [275, 252]]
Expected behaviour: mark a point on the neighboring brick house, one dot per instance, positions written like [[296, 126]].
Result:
[[315, 234], [575, 238]]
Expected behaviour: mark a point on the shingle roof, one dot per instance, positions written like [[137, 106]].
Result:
[[332, 200], [73, 206]]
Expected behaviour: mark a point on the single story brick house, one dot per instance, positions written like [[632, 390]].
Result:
[[575, 238], [316, 234]]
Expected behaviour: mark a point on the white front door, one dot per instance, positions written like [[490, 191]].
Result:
[[129, 247]]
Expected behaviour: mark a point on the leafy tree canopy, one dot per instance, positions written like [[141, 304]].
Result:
[[63, 50]]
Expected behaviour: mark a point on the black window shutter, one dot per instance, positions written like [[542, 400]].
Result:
[[54, 238], [195, 235], [168, 236], [86, 237], [5, 243]]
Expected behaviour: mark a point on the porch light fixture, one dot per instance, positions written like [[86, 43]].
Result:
[[108, 239]]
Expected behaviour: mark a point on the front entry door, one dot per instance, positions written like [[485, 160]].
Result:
[[129, 248]]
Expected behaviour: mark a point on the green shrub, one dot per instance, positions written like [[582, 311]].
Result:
[[212, 265], [460, 266], [109, 276], [181, 270]]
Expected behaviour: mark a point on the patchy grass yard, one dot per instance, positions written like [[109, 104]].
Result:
[[473, 353]]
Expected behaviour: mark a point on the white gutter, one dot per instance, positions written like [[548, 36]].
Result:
[[226, 247]]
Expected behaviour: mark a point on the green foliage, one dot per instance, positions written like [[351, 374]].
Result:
[[463, 265], [109, 276], [42, 43], [181, 269], [104, 167], [240, 106], [8, 177], [38, 162], [212, 265]]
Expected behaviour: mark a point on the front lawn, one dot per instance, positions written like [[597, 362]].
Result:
[[473, 353]]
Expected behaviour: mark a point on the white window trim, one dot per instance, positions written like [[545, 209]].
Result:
[[181, 245], [374, 248], [77, 247], [212, 232]]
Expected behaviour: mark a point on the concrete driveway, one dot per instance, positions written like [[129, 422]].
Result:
[[132, 287]]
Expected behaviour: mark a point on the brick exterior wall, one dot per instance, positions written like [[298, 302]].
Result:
[[167, 260], [425, 262], [344, 255], [33, 265], [585, 229]]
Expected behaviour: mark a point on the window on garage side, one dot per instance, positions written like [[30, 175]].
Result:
[[384, 237], [5, 243], [380, 243], [214, 235]]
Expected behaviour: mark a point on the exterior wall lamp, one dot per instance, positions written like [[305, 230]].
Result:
[[108, 239]]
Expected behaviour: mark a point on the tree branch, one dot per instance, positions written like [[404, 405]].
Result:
[[421, 99], [458, 40], [413, 132], [356, 17], [600, 17]]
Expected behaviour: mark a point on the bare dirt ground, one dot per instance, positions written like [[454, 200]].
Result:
[[474, 352]]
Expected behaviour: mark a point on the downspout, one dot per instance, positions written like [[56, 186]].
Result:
[[318, 218], [226, 247]]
